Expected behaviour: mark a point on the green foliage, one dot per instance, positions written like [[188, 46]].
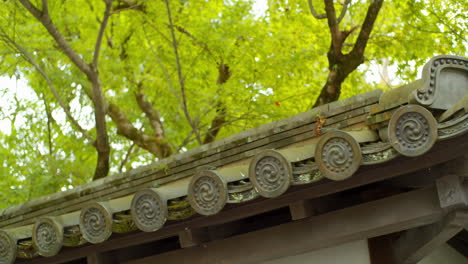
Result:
[[277, 60]]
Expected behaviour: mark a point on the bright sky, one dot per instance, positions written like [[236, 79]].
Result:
[[9, 87], [260, 7]]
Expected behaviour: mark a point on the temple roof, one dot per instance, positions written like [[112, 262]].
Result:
[[338, 146]]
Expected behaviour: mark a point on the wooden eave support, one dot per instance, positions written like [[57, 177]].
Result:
[[301, 209], [396, 213], [193, 237], [311, 207], [414, 244]]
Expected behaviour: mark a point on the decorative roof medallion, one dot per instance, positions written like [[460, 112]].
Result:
[[47, 236], [7, 248], [271, 173], [207, 192], [96, 223], [338, 155], [412, 130], [149, 210]]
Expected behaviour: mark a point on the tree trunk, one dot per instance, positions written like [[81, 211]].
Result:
[[102, 138], [331, 90], [224, 73], [341, 65]]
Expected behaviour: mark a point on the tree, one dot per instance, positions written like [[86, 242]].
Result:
[[117, 84], [342, 64], [101, 143]]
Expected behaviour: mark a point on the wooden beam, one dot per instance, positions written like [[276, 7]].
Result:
[[396, 213], [415, 244]]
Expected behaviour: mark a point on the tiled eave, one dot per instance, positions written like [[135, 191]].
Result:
[[367, 138]]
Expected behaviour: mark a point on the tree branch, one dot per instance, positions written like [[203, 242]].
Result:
[[186, 140], [314, 12], [44, 75], [231, 122], [179, 74], [44, 18], [127, 156], [340, 66], [45, 7], [102, 29], [366, 28], [343, 11], [127, 5], [31, 8], [125, 128], [102, 138], [100, 107], [337, 40], [152, 114], [157, 30], [163, 68], [224, 73], [217, 122], [197, 41], [346, 33], [444, 22], [49, 121]]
